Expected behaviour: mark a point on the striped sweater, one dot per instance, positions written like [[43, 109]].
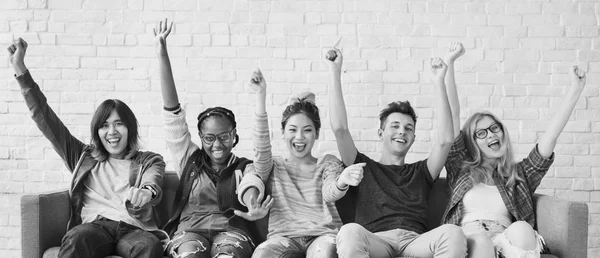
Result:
[[299, 207]]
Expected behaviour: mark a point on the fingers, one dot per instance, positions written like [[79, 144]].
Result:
[[266, 205], [578, 72], [165, 24], [331, 55], [24, 43], [437, 63], [11, 49], [260, 196], [241, 214], [169, 30], [257, 76]]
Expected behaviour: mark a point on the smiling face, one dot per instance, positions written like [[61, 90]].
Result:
[[220, 130], [114, 135], [492, 146], [299, 135], [398, 133]]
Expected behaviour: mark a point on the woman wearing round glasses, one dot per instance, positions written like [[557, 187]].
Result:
[[204, 223], [491, 194]]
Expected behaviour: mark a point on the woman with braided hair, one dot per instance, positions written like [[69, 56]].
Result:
[[208, 221]]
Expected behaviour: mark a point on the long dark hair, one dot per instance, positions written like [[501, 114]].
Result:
[[101, 114]]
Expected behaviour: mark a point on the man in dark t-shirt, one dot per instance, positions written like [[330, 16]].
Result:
[[384, 203]]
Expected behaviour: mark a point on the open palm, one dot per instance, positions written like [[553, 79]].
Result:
[[161, 32]]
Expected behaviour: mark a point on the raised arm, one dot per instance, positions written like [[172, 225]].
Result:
[[177, 135], [167, 84], [65, 144], [561, 116], [263, 157], [252, 189], [337, 109], [445, 132], [455, 50]]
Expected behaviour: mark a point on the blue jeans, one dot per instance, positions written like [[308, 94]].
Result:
[[193, 245], [297, 247], [104, 237]]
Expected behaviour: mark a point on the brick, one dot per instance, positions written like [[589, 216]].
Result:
[[529, 79], [539, 43], [450, 31], [540, 19], [522, 55], [545, 31], [518, 66]]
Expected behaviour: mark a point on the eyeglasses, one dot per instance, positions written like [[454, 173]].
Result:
[[211, 138], [482, 133]]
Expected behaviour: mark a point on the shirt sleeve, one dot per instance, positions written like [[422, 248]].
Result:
[[534, 168], [331, 167], [263, 157], [457, 155], [250, 180], [178, 138]]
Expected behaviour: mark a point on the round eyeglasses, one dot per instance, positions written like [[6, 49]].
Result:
[[211, 138]]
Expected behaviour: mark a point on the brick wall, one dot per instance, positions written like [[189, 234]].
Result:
[[84, 51]]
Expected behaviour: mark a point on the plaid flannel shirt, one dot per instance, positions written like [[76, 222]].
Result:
[[518, 199]]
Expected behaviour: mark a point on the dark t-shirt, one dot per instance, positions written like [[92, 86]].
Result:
[[388, 197]]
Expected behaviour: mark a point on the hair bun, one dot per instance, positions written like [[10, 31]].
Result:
[[303, 97]]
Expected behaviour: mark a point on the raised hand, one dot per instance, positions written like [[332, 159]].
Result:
[[455, 50], [161, 32], [257, 83], [352, 175], [139, 197], [334, 59], [17, 51], [256, 211], [438, 68], [577, 77]]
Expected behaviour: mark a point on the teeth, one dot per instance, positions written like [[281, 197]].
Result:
[[400, 140], [299, 145], [218, 153]]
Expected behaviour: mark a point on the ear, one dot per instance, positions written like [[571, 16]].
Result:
[[234, 132], [380, 133], [317, 134]]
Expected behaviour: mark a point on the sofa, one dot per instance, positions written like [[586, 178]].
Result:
[[44, 216]]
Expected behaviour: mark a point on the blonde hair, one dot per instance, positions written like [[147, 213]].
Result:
[[506, 164]]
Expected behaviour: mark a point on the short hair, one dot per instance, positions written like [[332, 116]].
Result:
[[403, 107], [218, 112], [305, 104], [101, 114]]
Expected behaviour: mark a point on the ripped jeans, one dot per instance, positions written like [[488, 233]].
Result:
[[214, 244], [496, 232], [297, 247]]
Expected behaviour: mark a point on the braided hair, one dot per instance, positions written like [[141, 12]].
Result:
[[218, 112], [305, 104]]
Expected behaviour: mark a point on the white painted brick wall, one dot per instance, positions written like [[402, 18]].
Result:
[[82, 52]]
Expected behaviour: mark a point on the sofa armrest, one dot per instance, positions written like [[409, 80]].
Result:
[[44, 219], [563, 224]]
